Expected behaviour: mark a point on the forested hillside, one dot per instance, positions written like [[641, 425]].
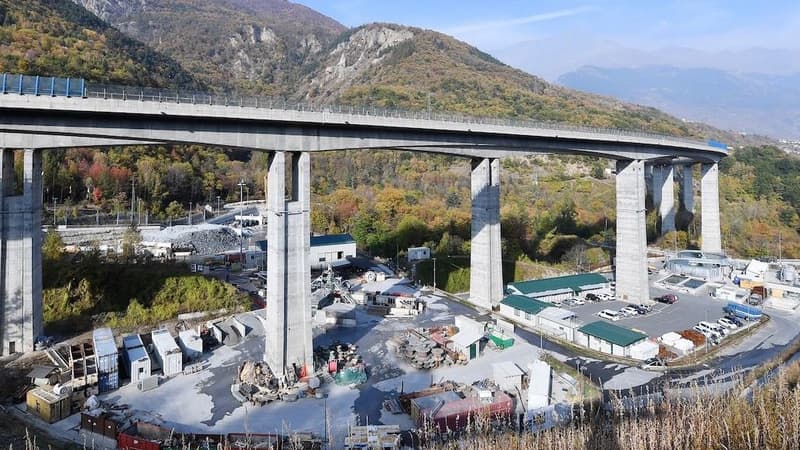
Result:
[[56, 37]]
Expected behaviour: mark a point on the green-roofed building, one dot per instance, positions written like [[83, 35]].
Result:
[[523, 309], [609, 338], [557, 289]]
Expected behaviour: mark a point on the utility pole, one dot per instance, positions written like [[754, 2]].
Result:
[[218, 205], [434, 275], [133, 196], [241, 225], [189, 219], [54, 212]]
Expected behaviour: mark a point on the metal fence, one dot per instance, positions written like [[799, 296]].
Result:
[[34, 85]]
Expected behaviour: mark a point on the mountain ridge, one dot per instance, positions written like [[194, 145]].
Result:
[[746, 102]]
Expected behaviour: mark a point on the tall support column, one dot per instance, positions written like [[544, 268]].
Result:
[[657, 186], [631, 257], [486, 264], [687, 188], [20, 253], [288, 347], [709, 208], [666, 209]]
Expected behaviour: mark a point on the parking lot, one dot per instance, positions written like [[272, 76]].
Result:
[[664, 318]]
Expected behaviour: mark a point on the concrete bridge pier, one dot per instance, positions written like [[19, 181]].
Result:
[[486, 273], [666, 208], [20, 253], [631, 257], [687, 188], [710, 234], [288, 348]]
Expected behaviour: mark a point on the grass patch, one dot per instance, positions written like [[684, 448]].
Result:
[[86, 292]]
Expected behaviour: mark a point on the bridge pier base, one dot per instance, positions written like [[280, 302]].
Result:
[[711, 237], [20, 253], [486, 264], [288, 347], [631, 256]]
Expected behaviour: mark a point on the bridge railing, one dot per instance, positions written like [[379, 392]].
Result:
[[31, 85], [44, 86]]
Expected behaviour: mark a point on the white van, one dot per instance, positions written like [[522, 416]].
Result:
[[610, 315]]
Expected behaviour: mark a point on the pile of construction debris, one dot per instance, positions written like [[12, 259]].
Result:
[[203, 239], [425, 348], [256, 384], [342, 363]]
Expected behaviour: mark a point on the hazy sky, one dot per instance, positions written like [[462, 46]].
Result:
[[645, 24]]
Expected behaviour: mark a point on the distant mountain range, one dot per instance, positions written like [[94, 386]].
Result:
[[752, 90], [746, 102]]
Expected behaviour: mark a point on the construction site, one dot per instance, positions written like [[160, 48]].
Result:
[[389, 359]]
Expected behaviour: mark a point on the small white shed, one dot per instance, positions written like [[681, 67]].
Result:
[[137, 361], [467, 342], [167, 353], [191, 344], [643, 350]]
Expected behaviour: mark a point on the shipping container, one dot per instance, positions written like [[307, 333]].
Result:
[[49, 406], [108, 381], [167, 353], [141, 436], [107, 357], [99, 424]]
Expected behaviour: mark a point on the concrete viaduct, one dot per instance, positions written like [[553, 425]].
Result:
[[38, 122]]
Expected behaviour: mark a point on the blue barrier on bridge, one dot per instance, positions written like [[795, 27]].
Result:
[[36, 85], [717, 144]]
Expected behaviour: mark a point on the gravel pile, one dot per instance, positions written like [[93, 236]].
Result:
[[205, 239]]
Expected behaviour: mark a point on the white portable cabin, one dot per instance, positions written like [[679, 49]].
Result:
[[137, 361], [167, 353], [191, 344]]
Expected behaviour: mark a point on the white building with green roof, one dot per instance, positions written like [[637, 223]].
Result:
[[557, 289]]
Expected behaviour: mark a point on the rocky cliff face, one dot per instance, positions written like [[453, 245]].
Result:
[[351, 59], [262, 46]]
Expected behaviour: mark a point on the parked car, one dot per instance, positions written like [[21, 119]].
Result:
[[592, 297], [569, 302], [605, 297], [727, 323], [667, 298], [707, 332], [629, 311], [577, 301], [653, 362], [735, 320], [643, 309], [722, 331], [610, 315]]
